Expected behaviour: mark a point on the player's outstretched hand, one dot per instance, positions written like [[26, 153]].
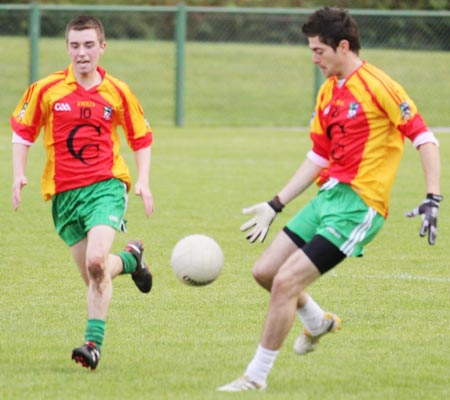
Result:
[[18, 184], [259, 225], [429, 210]]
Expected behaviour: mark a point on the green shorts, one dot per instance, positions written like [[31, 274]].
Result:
[[76, 211], [338, 214]]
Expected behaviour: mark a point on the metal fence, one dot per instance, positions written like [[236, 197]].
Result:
[[227, 66]]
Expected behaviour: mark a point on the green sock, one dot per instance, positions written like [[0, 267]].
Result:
[[129, 262], [95, 332]]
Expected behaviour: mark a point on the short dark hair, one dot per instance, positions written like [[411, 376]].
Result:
[[83, 22], [332, 25]]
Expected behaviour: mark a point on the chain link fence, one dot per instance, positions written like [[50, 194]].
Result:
[[226, 66]]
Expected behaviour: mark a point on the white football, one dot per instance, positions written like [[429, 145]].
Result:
[[197, 260]]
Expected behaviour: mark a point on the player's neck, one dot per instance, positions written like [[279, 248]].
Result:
[[89, 80], [351, 66]]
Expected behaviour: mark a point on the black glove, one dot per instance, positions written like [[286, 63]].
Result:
[[429, 211]]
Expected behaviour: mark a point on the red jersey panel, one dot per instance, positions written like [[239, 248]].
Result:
[[360, 128], [81, 129]]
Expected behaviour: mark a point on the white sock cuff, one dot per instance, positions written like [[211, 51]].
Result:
[[311, 315], [266, 352], [261, 365]]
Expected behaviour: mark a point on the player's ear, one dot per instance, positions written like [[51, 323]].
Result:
[[343, 46]]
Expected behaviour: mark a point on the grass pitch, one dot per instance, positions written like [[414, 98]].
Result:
[[181, 342]]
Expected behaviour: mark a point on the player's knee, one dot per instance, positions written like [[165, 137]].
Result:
[[285, 286], [96, 267], [280, 285], [262, 275], [279, 294]]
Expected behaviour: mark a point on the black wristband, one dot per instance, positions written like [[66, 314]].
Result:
[[276, 204], [435, 197]]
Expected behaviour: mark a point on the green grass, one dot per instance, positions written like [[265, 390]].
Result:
[[230, 84], [181, 342]]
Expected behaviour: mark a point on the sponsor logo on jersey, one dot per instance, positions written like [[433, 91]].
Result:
[[86, 103], [352, 110], [107, 112], [62, 107], [405, 110]]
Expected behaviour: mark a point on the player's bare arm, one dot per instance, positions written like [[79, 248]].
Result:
[[142, 186], [429, 154], [429, 208], [20, 156], [305, 175]]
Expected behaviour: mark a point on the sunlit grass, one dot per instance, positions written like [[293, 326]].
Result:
[[181, 342]]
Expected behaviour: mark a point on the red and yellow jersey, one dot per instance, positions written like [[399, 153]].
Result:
[[80, 129], [358, 129]]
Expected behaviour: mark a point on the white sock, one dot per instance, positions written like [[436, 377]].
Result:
[[262, 363], [312, 316]]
